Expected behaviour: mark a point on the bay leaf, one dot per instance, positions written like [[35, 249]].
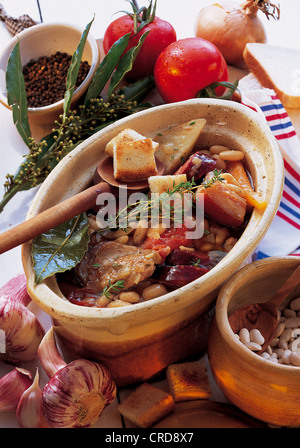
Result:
[[125, 65], [74, 69], [61, 248], [106, 68], [16, 94]]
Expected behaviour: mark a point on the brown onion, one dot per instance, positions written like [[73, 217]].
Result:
[[230, 26]]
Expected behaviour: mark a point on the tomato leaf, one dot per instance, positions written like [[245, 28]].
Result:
[[61, 248], [125, 65], [74, 69], [106, 68], [16, 94]]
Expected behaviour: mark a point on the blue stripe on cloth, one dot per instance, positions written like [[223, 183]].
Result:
[[275, 127], [292, 186], [271, 106], [259, 255], [290, 210]]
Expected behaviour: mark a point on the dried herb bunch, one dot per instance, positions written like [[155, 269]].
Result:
[[73, 126]]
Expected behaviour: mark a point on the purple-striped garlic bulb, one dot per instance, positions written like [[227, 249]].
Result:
[[12, 386], [76, 393]]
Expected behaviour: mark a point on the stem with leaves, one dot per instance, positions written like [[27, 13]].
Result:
[[72, 127]]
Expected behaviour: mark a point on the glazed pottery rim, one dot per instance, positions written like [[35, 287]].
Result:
[[95, 51], [221, 315], [92, 313]]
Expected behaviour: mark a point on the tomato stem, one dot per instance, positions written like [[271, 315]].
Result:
[[210, 91]]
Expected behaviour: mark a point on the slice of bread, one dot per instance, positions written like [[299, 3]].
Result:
[[188, 381], [276, 68], [127, 135], [134, 160], [146, 405], [163, 184]]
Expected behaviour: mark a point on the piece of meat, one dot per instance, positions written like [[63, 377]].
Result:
[[108, 262]]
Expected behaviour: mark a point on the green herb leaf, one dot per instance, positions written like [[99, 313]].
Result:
[[60, 249], [138, 90], [125, 65], [74, 69], [16, 94], [106, 68]]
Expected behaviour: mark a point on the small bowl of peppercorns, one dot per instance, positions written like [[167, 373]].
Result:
[[46, 52]]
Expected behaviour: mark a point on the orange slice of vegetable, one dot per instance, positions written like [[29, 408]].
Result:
[[237, 170]]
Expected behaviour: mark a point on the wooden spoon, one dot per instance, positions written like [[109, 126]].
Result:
[[105, 171], [263, 316], [51, 217], [69, 208]]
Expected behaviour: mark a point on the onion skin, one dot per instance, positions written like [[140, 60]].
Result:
[[230, 27]]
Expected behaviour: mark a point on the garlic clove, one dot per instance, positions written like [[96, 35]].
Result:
[[21, 332], [29, 412], [49, 355], [16, 289], [76, 393], [12, 386]]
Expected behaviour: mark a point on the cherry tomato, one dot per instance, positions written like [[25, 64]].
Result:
[[161, 35], [187, 66]]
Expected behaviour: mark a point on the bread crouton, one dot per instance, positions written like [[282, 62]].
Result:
[[134, 160], [146, 405], [177, 142], [162, 184], [127, 135], [188, 381]]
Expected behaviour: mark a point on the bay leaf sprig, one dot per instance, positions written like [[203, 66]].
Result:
[[61, 248], [98, 110]]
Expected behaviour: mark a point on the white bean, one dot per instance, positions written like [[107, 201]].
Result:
[[153, 291], [295, 359], [295, 304], [253, 346], [244, 335], [232, 156], [256, 336]]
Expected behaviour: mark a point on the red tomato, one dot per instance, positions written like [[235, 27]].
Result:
[[161, 35], [187, 66]]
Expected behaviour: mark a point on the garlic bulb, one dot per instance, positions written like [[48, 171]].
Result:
[[29, 411], [16, 289], [21, 332], [12, 386], [78, 392]]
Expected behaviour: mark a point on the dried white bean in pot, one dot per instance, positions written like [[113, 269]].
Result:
[[295, 359], [244, 335], [216, 149], [256, 336], [153, 291], [295, 304], [292, 322], [253, 346]]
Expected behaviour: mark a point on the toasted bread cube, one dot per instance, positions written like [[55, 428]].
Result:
[[177, 142], [163, 184], [134, 161], [146, 405], [188, 381], [127, 135]]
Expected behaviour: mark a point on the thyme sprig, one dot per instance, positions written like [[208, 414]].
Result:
[[160, 206], [112, 287]]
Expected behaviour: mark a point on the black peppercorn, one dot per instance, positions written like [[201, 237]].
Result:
[[45, 78]]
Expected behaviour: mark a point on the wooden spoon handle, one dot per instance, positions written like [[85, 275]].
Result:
[[51, 217], [288, 286]]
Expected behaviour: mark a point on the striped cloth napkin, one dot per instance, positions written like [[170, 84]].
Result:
[[283, 236]]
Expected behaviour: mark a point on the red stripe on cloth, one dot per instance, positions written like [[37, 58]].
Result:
[[291, 170], [287, 135], [290, 221], [277, 116], [290, 199]]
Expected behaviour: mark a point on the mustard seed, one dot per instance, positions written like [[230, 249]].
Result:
[[45, 78]]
